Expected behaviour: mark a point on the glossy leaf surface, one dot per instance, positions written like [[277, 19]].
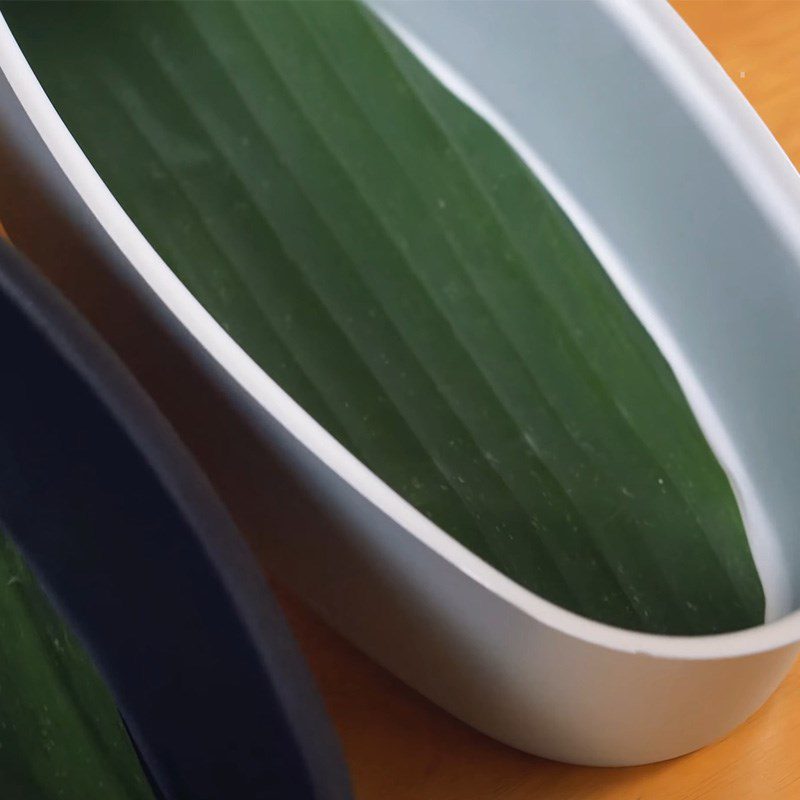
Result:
[[385, 256]]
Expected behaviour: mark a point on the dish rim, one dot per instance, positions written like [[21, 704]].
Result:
[[696, 79]]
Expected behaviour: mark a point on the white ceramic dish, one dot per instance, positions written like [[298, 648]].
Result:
[[695, 212]]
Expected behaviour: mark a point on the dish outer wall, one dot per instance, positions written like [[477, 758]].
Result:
[[503, 660]]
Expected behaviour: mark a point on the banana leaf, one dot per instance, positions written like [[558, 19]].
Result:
[[60, 733], [388, 259]]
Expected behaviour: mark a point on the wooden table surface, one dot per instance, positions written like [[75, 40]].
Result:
[[401, 747]]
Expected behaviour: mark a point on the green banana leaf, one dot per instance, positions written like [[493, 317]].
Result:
[[386, 257], [60, 734]]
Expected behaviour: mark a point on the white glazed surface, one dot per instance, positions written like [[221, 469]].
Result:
[[509, 663]]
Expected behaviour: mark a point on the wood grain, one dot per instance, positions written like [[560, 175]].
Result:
[[758, 44], [401, 747]]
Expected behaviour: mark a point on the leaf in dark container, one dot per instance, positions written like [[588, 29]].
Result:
[[60, 733]]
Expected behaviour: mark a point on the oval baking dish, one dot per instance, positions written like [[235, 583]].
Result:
[[693, 211]]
